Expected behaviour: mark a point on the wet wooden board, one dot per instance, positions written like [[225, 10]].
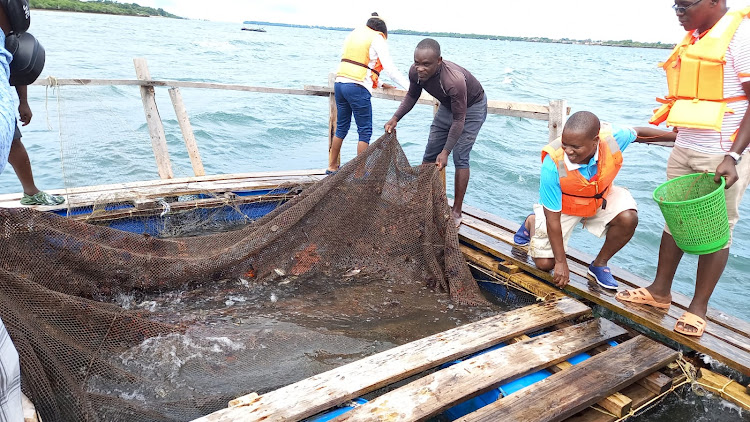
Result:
[[134, 191], [567, 392], [321, 392], [719, 342], [503, 229], [617, 404], [436, 392], [727, 388]]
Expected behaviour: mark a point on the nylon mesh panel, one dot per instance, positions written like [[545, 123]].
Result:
[[112, 325]]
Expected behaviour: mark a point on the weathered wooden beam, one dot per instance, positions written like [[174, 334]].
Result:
[[556, 119], [538, 288], [155, 126], [135, 191], [187, 131], [727, 388], [177, 84], [438, 391], [566, 393], [718, 342], [321, 392], [721, 329], [630, 280]]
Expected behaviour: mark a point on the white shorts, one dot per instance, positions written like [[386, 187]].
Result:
[[618, 200]]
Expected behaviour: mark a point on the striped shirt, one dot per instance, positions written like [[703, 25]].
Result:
[[11, 409], [7, 105], [709, 141]]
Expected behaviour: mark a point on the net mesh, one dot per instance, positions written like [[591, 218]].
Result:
[[112, 325]]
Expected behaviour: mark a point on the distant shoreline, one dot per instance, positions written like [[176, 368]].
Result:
[[105, 7], [608, 43]]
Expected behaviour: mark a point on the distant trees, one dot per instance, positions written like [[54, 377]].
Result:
[[100, 6]]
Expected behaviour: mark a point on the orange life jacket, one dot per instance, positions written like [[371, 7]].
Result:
[[356, 58], [695, 78], [583, 197]]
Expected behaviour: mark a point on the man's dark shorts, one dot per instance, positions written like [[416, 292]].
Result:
[[441, 124], [17, 133]]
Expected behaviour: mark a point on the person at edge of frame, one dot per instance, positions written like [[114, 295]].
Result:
[[709, 110]]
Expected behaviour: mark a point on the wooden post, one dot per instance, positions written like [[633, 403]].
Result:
[[155, 127], [187, 131], [557, 110], [332, 116]]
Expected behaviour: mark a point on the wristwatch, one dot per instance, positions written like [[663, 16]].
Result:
[[735, 156]]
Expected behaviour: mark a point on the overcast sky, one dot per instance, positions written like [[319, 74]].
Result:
[[639, 20]]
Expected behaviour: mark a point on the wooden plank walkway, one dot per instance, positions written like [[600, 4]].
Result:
[[434, 393], [565, 393], [139, 191], [321, 392], [726, 338]]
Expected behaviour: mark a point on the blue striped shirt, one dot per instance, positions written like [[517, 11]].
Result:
[[7, 105]]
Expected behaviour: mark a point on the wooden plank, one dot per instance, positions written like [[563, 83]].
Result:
[[438, 391], [155, 126], [557, 112], [615, 403], [657, 383], [523, 280], [386, 94], [133, 192], [717, 342], [176, 84], [727, 388], [503, 108], [568, 392], [314, 174], [631, 280], [187, 131], [733, 337], [321, 392]]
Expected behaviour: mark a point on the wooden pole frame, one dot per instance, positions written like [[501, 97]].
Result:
[[187, 131], [155, 125]]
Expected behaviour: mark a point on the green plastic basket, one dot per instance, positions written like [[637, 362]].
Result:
[[696, 212]]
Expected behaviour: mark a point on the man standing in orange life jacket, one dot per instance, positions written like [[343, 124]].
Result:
[[462, 111], [364, 57], [708, 108], [576, 185]]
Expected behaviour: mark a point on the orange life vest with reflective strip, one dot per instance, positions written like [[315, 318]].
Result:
[[356, 58], [583, 197], [695, 78]]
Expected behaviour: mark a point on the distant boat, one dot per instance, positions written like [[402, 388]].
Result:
[[253, 29]]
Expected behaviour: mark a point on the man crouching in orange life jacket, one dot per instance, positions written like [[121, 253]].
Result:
[[576, 185], [712, 139]]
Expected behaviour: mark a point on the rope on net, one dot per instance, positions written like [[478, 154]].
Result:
[[691, 377]]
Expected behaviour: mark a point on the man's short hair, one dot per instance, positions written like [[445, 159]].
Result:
[[583, 122], [429, 44]]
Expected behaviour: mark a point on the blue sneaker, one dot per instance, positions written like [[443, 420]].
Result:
[[603, 277], [522, 236]]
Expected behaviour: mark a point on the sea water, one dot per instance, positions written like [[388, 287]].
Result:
[[96, 135]]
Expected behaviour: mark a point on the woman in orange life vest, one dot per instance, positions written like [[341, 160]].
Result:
[[576, 185], [364, 57], [708, 77]]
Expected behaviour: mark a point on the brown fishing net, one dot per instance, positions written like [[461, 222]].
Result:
[[112, 325]]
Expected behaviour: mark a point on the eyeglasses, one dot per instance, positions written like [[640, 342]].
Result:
[[682, 9]]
